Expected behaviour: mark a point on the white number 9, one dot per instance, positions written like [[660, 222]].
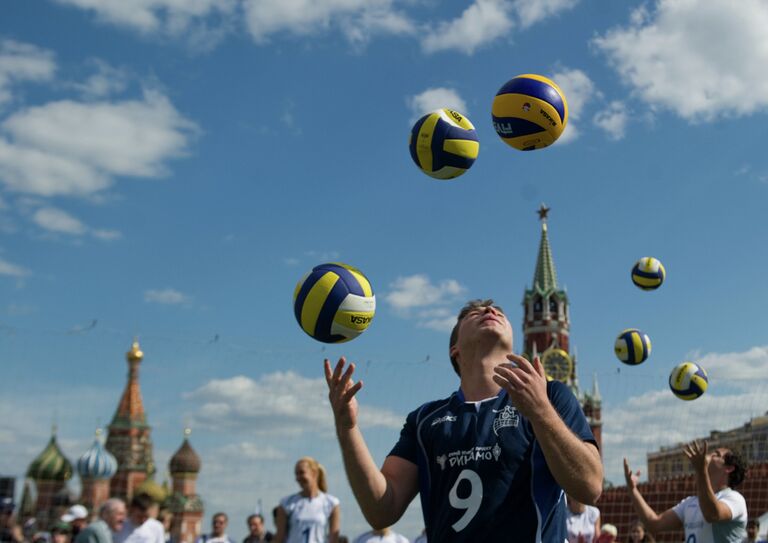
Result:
[[471, 503]]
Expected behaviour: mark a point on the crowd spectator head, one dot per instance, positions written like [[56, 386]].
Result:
[[113, 513], [608, 534], [753, 527], [256, 525], [638, 534], [166, 519], [60, 532], [310, 475], [142, 507], [219, 523], [77, 517]]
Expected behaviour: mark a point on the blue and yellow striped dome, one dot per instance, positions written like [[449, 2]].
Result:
[[97, 462], [51, 464]]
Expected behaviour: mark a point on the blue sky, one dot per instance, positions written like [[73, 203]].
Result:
[[170, 170]]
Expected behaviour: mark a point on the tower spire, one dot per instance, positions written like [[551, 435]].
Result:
[[545, 277]]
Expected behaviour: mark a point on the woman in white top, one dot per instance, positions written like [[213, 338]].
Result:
[[311, 515], [583, 522]]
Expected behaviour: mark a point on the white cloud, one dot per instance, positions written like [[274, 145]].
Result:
[[613, 120], [579, 90], [418, 291], [57, 220], [530, 12], [702, 59], [278, 403], [481, 23], [11, 269], [435, 98], [74, 148], [23, 62], [167, 296], [202, 22], [357, 19], [105, 82]]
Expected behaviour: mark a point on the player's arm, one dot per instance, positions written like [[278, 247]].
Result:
[[383, 495], [575, 464], [334, 525], [712, 509], [281, 523], [655, 523]]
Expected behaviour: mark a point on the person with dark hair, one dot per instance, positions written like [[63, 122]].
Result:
[[142, 525], [637, 534], [219, 523], [753, 529], [257, 533], [492, 461], [716, 514]]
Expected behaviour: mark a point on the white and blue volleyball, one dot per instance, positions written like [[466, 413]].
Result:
[[688, 381], [444, 144], [648, 273], [632, 346], [334, 302], [529, 112]]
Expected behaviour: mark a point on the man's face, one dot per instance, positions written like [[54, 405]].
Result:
[[256, 526], [751, 531], [116, 517], [717, 467], [138, 517], [219, 525], [79, 523], [482, 321]]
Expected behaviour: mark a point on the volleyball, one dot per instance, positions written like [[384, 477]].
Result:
[[444, 144], [334, 302], [529, 112], [632, 346], [648, 273], [688, 381]]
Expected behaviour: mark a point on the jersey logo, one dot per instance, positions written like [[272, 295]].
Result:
[[506, 417], [441, 460], [447, 418], [496, 452]]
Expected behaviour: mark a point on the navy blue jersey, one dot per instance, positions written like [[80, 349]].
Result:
[[482, 475]]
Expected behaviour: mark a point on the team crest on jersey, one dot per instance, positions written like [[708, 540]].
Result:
[[506, 417], [441, 460], [496, 452]]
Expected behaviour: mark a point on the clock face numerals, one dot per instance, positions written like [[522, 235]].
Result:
[[557, 364]]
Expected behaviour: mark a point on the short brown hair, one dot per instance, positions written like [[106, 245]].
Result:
[[469, 306]]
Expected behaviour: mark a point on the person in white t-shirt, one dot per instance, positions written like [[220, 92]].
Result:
[[385, 535], [716, 514], [582, 522], [311, 515], [141, 526]]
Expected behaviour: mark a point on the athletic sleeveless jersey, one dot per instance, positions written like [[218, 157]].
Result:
[[698, 530], [308, 517], [482, 474]]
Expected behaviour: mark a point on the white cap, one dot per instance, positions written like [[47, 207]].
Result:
[[75, 512], [609, 529]]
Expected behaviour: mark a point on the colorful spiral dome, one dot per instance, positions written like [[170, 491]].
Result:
[[51, 464], [186, 459], [97, 462]]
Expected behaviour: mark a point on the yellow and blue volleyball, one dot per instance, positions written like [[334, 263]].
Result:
[[334, 302], [632, 346], [688, 381], [529, 112], [444, 144], [648, 273]]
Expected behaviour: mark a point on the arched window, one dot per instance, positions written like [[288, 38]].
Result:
[[553, 308]]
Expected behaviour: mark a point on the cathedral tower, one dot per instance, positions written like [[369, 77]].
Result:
[[128, 438], [546, 329]]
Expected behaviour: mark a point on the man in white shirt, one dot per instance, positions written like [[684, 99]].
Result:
[[716, 514], [218, 533], [141, 526]]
